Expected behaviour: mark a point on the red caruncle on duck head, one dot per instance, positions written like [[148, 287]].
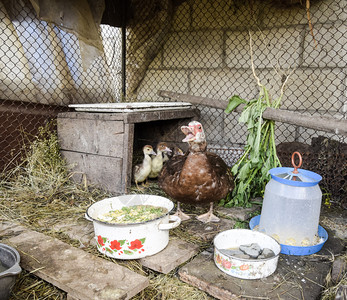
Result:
[[194, 132]]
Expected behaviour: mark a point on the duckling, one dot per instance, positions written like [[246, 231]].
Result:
[[141, 171], [176, 151], [157, 161]]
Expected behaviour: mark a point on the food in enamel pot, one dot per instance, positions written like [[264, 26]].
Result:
[[133, 214]]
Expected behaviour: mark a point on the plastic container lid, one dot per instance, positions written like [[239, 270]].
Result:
[[294, 176]]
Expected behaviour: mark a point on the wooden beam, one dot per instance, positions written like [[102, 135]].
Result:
[[323, 123]]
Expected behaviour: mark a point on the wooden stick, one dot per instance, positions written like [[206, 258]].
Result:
[[323, 123]]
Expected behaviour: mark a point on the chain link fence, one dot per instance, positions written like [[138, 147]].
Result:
[[200, 48]]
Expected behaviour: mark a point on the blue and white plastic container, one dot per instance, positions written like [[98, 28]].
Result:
[[291, 206]]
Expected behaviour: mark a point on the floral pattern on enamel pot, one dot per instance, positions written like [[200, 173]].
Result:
[[120, 247], [230, 266]]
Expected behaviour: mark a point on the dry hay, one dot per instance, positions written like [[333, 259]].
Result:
[[166, 287], [39, 189], [28, 286]]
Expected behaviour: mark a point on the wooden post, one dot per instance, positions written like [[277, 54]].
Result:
[[323, 123]]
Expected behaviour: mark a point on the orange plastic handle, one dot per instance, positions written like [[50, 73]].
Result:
[[293, 163]]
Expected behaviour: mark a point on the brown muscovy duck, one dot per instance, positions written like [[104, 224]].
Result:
[[141, 171], [198, 177]]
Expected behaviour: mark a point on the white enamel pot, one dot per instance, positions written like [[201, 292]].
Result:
[[132, 240]]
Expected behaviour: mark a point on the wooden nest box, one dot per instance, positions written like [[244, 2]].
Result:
[[100, 142]]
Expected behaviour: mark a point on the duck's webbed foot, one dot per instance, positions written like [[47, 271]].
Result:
[[209, 216], [179, 213], [141, 187]]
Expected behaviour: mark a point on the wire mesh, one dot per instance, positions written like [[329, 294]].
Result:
[[193, 47]]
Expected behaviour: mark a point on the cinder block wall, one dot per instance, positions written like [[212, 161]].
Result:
[[207, 54]]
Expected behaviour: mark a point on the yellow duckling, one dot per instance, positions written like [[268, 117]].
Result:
[[141, 171], [157, 161]]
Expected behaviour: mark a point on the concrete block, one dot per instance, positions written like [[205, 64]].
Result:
[[220, 14], [328, 11], [331, 48], [155, 80], [296, 15], [238, 131], [320, 12], [276, 46], [272, 79], [223, 84], [223, 128], [315, 90], [200, 49], [306, 89]]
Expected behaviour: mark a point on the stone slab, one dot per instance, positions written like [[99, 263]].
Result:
[[206, 231], [290, 281], [81, 230], [238, 213], [176, 253], [296, 277], [80, 274]]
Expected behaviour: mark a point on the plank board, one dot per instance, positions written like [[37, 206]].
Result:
[[123, 107], [103, 171], [82, 275], [175, 253], [93, 136]]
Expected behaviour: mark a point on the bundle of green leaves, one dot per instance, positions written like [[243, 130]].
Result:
[[251, 172]]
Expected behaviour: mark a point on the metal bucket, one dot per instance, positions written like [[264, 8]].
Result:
[[9, 259]]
